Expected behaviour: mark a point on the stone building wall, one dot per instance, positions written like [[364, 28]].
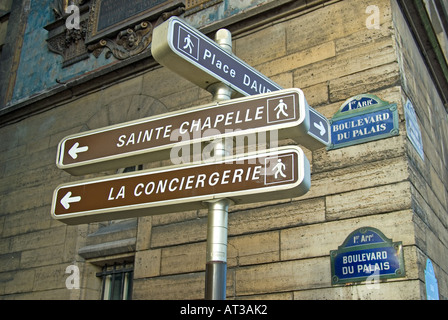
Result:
[[276, 249], [428, 176]]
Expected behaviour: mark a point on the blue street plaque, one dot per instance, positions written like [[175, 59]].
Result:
[[366, 253], [432, 287], [362, 120], [413, 129]]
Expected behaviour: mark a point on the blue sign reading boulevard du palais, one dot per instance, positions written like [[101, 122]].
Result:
[[362, 119], [367, 254]]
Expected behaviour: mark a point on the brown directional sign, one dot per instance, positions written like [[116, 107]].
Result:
[[194, 56], [151, 139], [284, 173]]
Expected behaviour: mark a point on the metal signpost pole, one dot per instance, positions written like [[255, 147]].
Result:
[[216, 265], [218, 210]]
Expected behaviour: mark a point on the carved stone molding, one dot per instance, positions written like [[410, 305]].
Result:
[[70, 44], [131, 41], [128, 43], [122, 43]]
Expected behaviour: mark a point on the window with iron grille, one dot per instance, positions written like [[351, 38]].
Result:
[[117, 281]]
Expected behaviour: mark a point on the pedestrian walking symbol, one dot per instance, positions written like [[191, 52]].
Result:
[[279, 169], [188, 43], [281, 109]]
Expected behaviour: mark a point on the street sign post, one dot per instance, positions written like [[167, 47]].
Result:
[[151, 139], [215, 183], [194, 56], [284, 173]]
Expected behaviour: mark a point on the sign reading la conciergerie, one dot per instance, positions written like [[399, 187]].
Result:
[[362, 119], [367, 253]]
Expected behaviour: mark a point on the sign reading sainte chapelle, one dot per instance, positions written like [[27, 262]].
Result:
[[367, 254], [362, 119]]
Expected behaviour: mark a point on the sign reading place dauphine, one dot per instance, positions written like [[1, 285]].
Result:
[[180, 47], [280, 174], [362, 119], [367, 254]]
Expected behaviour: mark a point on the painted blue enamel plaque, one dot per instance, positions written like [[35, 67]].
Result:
[[366, 253], [372, 121]]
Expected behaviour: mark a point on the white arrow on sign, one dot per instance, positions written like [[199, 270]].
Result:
[[320, 127], [73, 152], [68, 199]]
